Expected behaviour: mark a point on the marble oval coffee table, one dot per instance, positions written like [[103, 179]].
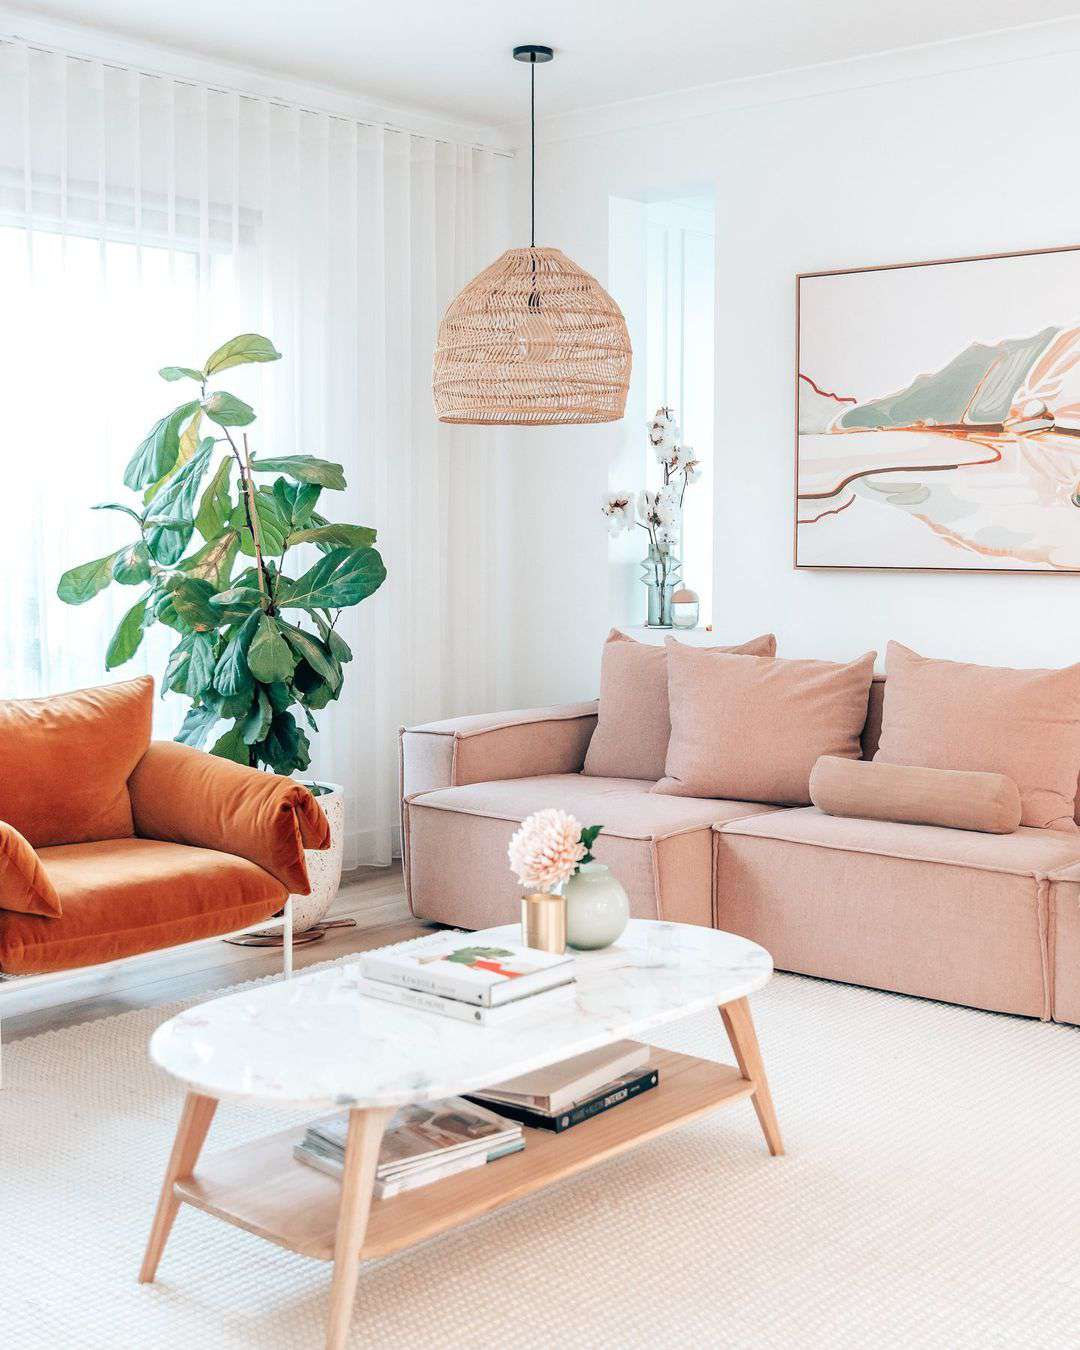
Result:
[[317, 1040]]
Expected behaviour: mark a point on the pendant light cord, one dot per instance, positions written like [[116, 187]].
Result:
[[532, 138]]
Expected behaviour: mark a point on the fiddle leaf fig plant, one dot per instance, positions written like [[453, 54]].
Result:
[[209, 533]]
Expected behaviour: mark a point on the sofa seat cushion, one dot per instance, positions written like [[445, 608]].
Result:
[[121, 897], [921, 909], [1026, 852], [660, 848]]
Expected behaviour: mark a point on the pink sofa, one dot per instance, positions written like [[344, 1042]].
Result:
[[992, 921]]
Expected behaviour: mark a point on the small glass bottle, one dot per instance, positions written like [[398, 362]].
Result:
[[684, 608]]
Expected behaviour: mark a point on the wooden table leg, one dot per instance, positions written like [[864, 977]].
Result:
[[744, 1041], [195, 1120], [361, 1155]]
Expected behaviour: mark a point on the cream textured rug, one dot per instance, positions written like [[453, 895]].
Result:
[[930, 1197]]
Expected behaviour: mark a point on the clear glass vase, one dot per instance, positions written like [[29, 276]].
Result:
[[660, 573]]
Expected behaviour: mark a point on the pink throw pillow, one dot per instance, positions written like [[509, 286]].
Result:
[[751, 728], [1024, 724], [631, 736]]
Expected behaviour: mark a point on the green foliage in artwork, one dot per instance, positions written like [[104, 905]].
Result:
[[210, 548]]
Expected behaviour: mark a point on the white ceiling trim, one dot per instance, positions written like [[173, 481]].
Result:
[[1056, 37], [91, 44]]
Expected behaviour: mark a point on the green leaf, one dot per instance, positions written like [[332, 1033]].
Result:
[[297, 501], [273, 525], [343, 577], [132, 566], [312, 651], [269, 656], [190, 598], [227, 410], [176, 668], [128, 635], [279, 696], [310, 687], [181, 373], [231, 674], [239, 351], [157, 453], [228, 706], [336, 536], [191, 665], [174, 508], [231, 746], [257, 723], [214, 561], [118, 506], [201, 665], [236, 603], [197, 725], [82, 583], [339, 648], [588, 838], [215, 506], [286, 747], [305, 469]]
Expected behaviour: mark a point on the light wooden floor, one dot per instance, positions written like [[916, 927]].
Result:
[[375, 897]]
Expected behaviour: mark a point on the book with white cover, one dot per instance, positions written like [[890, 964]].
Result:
[[558, 1086], [457, 967], [536, 1005]]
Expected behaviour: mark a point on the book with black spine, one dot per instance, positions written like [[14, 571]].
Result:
[[618, 1092]]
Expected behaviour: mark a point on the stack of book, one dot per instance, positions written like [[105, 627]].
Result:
[[422, 1144], [564, 1094], [453, 976]]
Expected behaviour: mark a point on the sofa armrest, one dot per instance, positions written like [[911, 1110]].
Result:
[[495, 746], [24, 884], [187, 796]]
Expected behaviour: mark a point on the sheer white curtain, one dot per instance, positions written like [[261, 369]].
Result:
[[143, 220]]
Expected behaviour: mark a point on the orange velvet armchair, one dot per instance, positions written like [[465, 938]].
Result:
[[111, 845]]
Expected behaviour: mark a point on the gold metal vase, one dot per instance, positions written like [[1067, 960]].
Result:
[[543, 922]]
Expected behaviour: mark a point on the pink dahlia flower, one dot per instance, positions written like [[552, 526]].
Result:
[[546, 850]]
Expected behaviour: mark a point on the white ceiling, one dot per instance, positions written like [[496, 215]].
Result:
[[454, 58]]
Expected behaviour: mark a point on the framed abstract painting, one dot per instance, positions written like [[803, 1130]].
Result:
[[938, 415]]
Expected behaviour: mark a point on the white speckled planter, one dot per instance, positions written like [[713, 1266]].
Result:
[[324, 868]]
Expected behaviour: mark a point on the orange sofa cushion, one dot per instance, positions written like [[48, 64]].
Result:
[[24, 885], [121, 897], [67, 760], [189, 797]]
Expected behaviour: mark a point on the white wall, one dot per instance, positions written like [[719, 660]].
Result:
[[960, 149]]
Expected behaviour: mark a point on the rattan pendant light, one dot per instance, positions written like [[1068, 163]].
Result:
[[534, 340]]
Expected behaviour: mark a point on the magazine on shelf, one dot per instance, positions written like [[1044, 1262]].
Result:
[[332, 1162], [558, 1086], [458, 967], [622, 1090], [535, 1005], [419, 1139]]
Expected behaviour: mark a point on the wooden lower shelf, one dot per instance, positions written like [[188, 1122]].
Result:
[[262, 1188]]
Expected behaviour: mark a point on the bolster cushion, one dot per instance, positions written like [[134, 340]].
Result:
[[185, 796], [24, 883], [987, 802]]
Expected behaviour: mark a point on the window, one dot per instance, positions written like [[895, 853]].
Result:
[[679, 359], [84, 314]]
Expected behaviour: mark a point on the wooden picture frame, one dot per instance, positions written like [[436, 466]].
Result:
[[956, 456]]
